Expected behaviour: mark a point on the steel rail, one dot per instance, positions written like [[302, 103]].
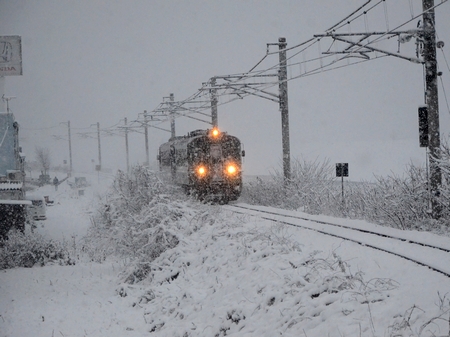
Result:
[[321, 231]]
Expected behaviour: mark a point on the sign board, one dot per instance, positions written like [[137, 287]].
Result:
[[10, 55], [342, 170]]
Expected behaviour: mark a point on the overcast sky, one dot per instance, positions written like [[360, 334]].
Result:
[[92, 61]]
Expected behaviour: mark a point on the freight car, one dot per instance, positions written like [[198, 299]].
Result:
[[205, 162]]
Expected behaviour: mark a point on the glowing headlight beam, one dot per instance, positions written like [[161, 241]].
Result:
[[215, 133], [201, 171], [231, 169]]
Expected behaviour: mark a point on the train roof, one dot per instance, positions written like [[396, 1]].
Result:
[[180, 140]]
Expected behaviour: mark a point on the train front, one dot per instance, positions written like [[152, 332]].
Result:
[[215, 162]]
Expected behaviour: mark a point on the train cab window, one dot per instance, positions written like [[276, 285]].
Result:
[[232, 149], [216, 152]]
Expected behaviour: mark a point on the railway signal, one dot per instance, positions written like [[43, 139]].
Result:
[[342, 171]]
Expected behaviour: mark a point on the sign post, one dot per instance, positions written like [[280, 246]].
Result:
[[342, 171]]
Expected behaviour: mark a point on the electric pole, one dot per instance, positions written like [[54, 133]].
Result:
[[126, 145], [283, 92], [172, 117], [432, 101], [147, 158], [99, 148], [70, 147], [213, 94]]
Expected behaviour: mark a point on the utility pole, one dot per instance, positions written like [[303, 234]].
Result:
[[70, 147], [432, 101], [172, 117], [213, 94], [283, 92], [99, 147], [7, 99], [147, 158], [2, 89], [126, 145]]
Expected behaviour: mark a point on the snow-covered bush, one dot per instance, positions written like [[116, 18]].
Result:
[[309, 189], [401, 202], [137, 220], [416, 322], [232, 277], [396, 201], [29, 249]]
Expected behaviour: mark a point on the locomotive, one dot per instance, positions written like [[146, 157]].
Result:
[[205, 162]]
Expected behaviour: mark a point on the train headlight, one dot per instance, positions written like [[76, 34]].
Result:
[[231, 169], [215, 133], [201, 171]]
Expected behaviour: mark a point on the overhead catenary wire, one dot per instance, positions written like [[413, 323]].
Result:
[[225, 91], [350, 15], [378, 39]]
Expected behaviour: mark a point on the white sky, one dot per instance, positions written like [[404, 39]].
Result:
[[100, 61]]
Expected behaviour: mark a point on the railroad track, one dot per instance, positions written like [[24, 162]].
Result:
[[433, 256]]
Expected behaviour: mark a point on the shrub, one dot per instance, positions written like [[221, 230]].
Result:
[[28, 249], [137, 222], [395, 201]]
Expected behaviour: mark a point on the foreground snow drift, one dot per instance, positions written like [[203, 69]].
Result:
[[238, 276], [228, 275]]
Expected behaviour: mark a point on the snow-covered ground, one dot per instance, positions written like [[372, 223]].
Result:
[[230, 275]]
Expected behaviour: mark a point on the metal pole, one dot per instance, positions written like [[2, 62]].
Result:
[[213, 94], [126, 146], [2, 89], [172, 117], [433, 104], [70, 147], [99, 147], [147, 158], [283, 92]]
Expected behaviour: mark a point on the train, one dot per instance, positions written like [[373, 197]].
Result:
[[207, 163]]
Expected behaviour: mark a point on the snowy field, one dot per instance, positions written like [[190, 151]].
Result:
[[230, 275]]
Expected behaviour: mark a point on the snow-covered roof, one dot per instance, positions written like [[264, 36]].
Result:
[[15, 202], [9, 185]]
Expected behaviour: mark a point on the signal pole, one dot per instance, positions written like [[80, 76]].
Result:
[[283, 92], [432, 101]]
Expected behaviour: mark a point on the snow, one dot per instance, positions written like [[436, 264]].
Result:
[[10, 185], [230, 275]]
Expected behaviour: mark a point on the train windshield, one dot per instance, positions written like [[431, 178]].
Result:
[[216, 152], [203, 150], [231, 149]]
